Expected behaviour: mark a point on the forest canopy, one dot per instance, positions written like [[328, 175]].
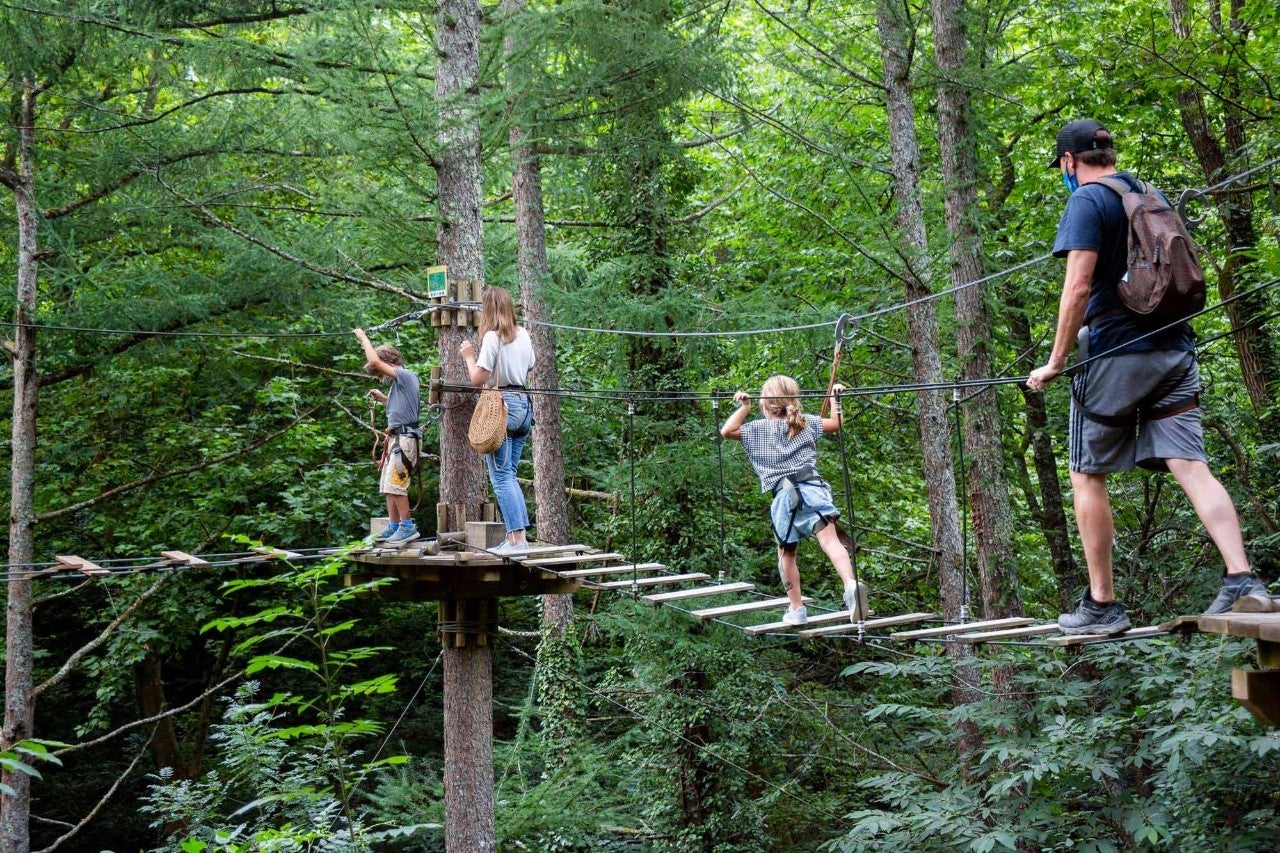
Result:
[[203, 200]]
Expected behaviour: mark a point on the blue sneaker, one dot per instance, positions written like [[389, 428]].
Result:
[[387, 532], [407, 532]]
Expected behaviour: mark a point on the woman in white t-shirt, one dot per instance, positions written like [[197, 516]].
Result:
[[506, 355]]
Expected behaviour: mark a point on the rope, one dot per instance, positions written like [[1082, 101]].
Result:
[[631, 454], [715, 423], [848, 505], [964, 510]]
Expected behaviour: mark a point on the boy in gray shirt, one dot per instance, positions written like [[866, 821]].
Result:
[[403, 401]]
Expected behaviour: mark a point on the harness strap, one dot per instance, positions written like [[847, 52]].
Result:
[[789, 485], [1155, 414]]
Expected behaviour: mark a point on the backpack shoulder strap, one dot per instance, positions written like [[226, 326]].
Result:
[[1119, 186]]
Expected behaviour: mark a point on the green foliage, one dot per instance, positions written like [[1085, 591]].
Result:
[[1132, 747], [23, 757], [292, 757]]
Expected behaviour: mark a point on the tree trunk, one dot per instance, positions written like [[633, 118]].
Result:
[[460, 240], [1256, 352], [922, 321], [149, 682], [19, 707], [922, 326], [987, 486], [468, 748], [468, 669], [550, 501]]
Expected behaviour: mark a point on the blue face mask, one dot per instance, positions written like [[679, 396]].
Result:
[[1070, 182]]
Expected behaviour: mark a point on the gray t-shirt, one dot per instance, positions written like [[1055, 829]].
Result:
[[774, 455], [508, 364], [404, 399]]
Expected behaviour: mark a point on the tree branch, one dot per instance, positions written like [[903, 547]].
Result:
[[128, 727], [694, 217], [155, 478], [83, 652], [103, 801], [281, 253]]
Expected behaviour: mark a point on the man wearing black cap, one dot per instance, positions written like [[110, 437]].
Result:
[[1137, 402]]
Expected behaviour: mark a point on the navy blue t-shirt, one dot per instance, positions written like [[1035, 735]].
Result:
[[1094, 219]]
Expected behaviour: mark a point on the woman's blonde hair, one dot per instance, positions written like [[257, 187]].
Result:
[[498, 314], [780, 397]]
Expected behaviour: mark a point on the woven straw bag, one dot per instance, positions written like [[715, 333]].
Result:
[[488, 427]]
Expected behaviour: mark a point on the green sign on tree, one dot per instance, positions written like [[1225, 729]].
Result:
[[437, 281]]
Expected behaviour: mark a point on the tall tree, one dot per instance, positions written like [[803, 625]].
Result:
[[986, 482], [1219, 153], [19, 707], [550, 498], [468, 669], [896, 35]]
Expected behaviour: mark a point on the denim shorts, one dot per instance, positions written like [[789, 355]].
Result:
[[816, 505]]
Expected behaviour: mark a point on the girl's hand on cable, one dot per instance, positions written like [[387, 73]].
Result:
[[742, 398], [837, 389]]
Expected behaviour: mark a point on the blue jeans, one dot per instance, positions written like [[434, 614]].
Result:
[[502, 465]]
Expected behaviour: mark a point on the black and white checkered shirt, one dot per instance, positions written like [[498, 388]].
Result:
[[773, 455]]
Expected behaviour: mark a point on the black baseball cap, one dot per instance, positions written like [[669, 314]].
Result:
[[1076, 137]]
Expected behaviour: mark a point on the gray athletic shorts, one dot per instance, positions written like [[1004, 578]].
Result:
[[1127, 388]]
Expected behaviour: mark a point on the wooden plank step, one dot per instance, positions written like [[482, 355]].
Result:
[[965, 628], [1091, 639], [819, 619], [573, 559], [1007, 633], [749, 607], [660, 580], [547, 551], [700, 592], [186, 559], [627, 568], [80, 564], [870, 625], [275, 553]]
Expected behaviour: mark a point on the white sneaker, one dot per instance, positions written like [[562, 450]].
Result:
[[508, 549], [799, 616], [855, 601]]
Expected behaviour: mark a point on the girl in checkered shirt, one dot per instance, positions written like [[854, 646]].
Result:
[[782, 447]]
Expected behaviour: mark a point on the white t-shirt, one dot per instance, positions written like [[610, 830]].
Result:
[[508, 364]]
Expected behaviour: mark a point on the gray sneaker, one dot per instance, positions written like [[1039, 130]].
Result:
[[1094, 618], [1242, 594]]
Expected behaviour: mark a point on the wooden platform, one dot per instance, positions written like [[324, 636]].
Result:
[[1258, 690], [462, 574]]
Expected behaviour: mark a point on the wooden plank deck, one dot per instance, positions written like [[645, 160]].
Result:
[[597, 571], [819, 619], [661, 580], [573, 559], [1008, 633], [700, 592], [749, 607], [1144, 632], [963, 628], [869, 625]]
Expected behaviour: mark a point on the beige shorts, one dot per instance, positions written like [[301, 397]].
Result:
[[398, 462]]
